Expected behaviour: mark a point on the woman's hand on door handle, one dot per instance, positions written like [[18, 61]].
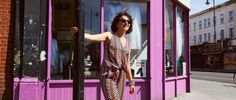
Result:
[[74, 29]]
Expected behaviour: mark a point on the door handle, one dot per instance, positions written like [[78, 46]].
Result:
[[44, 25]]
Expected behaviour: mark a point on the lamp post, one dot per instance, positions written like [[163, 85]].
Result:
[[214, 25]]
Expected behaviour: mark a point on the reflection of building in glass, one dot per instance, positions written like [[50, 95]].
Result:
[[138, 38], [133, 9]]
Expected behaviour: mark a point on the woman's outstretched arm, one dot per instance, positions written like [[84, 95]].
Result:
[[96, 38]]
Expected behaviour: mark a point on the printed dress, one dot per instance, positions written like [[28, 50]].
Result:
[[114, 69]]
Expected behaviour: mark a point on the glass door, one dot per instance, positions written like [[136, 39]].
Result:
[[86, 16], [61, 39], [71, 59], [65, 50]]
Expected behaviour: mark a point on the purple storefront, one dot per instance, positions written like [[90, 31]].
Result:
[[46, 55]]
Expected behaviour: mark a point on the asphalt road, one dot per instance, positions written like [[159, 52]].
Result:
[[213, 76]]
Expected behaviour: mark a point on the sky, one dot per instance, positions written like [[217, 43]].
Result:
[[199, 5]]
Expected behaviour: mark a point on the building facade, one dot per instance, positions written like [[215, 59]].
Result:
[[217, 50], [42, 59], [202, 27]]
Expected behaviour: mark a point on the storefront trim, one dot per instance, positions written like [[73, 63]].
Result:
[[176, 78], [157, 86], [156, 50]]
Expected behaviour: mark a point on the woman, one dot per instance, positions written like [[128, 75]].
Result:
[[116, 64]]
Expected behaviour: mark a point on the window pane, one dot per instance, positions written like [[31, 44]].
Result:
[[230, 16], [62, 50], [222, 34], [138, 37], [209, 22], [231, 33], [209, 37], [200, 38], [92, 49], [61, 44], [205, 23], [169, 40], [205, 37], [180, 57], [200, 25], [222, 19]]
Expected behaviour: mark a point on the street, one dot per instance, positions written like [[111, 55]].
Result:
[[210, 86], [213, 76]]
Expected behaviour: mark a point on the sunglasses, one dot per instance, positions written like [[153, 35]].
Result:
[[124, 21]]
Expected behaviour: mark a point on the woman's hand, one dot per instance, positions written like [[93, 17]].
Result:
[[132, 89], [74, 29]]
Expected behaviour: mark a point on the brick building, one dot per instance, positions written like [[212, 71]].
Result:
[[6, 48]]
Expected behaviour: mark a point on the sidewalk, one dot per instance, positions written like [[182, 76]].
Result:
[[209, 90]]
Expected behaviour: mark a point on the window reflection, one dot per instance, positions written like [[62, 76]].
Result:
[[61, 44], [180, 57], [175, 64], [92, 49], [169, 40], [138, 38]]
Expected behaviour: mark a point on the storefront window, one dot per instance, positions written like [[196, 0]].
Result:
[[62, 48], [92, 49], [29, 51], [169, 65], [61, 44], [180, 44], [138, 38], [175, 58]]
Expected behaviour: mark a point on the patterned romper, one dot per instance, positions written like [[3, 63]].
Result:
[[114, 69]]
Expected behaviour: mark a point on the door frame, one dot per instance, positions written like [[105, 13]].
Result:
[[78, 76]]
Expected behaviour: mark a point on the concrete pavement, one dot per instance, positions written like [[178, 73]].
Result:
[[209, 90]]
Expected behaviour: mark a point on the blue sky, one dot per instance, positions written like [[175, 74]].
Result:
[[199, 5]]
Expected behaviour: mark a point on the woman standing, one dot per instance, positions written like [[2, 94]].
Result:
[[116, 64]]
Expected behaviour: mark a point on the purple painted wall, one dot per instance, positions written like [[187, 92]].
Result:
[[155, 87], [49, 47], [16, 87], [156, 49], [170, 90], [62, 90], [175, 87], [31, 92], [28, 89], [181, 86], [141, 91], [188, 85]]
